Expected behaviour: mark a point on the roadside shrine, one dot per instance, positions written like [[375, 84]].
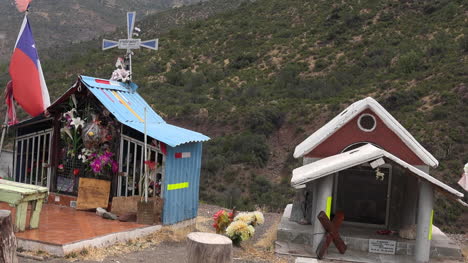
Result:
[[96, 129]]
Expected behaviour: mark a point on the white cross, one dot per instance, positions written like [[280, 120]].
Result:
[[130, 43]]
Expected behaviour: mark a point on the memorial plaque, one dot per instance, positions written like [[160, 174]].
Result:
[[129, 43], [382, 246]]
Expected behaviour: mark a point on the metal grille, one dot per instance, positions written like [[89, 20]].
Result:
[[131, 168], [67, 182], [32, 158]]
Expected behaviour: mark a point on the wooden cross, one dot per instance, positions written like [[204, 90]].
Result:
[[332, 233]]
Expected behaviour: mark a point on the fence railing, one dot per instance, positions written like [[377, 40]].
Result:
[[132, 168], [32, 158]]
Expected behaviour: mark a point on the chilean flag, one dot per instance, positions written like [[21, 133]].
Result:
[[29, 87]]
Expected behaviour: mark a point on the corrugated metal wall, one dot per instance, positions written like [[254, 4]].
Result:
[[182, 183]]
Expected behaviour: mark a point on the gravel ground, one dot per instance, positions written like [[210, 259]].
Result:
[[171, 249], [164, 247]]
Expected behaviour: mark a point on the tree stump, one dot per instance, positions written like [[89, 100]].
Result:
[[208, 248], [7, 238]]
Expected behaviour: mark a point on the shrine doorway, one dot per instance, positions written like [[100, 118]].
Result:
[[363, 193]]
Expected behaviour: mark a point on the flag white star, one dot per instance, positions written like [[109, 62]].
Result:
[[33, 46]]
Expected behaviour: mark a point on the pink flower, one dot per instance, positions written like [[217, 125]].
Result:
[[104, 159], [220, 212], [115, 166], [96, 166]]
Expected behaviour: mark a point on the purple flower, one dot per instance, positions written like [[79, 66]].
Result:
[[115, 166], [104, 159], [96, 166]]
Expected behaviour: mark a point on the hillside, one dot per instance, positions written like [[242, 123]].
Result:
[[57, 23], [261, 78]]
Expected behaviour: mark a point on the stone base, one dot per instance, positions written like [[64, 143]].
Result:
[[296, 239]]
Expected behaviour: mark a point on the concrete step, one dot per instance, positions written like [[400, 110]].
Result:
[[357, 239]]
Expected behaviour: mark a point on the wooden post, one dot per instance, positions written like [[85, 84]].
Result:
[[35, 213], [7, 238], [208, 248], [20, 220]]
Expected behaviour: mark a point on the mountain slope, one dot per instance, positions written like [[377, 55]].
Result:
[[261, 78], [57, 23]]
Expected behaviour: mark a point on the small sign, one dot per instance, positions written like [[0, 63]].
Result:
[[65, 184], [382, 246], [129, 43]]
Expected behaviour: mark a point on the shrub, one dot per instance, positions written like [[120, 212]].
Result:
[[410, 62]]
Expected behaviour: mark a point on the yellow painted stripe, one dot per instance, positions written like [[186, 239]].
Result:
[[429, 237], [126, 105], [177, 186], [328, 209]]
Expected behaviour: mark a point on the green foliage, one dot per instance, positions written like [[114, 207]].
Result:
[[410, 62], [264, 120], [244, 148], [266, 67], [265, 193]]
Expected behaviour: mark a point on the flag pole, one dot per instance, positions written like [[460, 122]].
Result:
[[4, 129], [146, 164]]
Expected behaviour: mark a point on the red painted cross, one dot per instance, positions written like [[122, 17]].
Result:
[[332, 233]]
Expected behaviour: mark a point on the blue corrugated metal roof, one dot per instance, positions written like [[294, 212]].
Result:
[[128, 107]]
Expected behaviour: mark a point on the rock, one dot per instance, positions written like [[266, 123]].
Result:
[[129, 217], [100, 211], [109, 215], [408, 232]]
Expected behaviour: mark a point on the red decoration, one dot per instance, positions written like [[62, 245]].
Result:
[[163, 148], [76, 171], [151, 165]]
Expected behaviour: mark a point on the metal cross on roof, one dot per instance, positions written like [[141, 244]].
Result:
[[130, 43]]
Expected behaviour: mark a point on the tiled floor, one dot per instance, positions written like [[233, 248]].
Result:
[[63, 225]]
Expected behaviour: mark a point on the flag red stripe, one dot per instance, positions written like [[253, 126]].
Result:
[[26, 83]]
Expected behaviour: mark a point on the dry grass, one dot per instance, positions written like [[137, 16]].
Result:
[[251, 253], [166, 234], [267, 241], [465, 253], [204, 224], [261, 250]]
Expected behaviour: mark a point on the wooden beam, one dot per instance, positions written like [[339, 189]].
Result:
[[332, 233]]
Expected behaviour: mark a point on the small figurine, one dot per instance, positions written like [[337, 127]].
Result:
[[379, 175], [121, 73]]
